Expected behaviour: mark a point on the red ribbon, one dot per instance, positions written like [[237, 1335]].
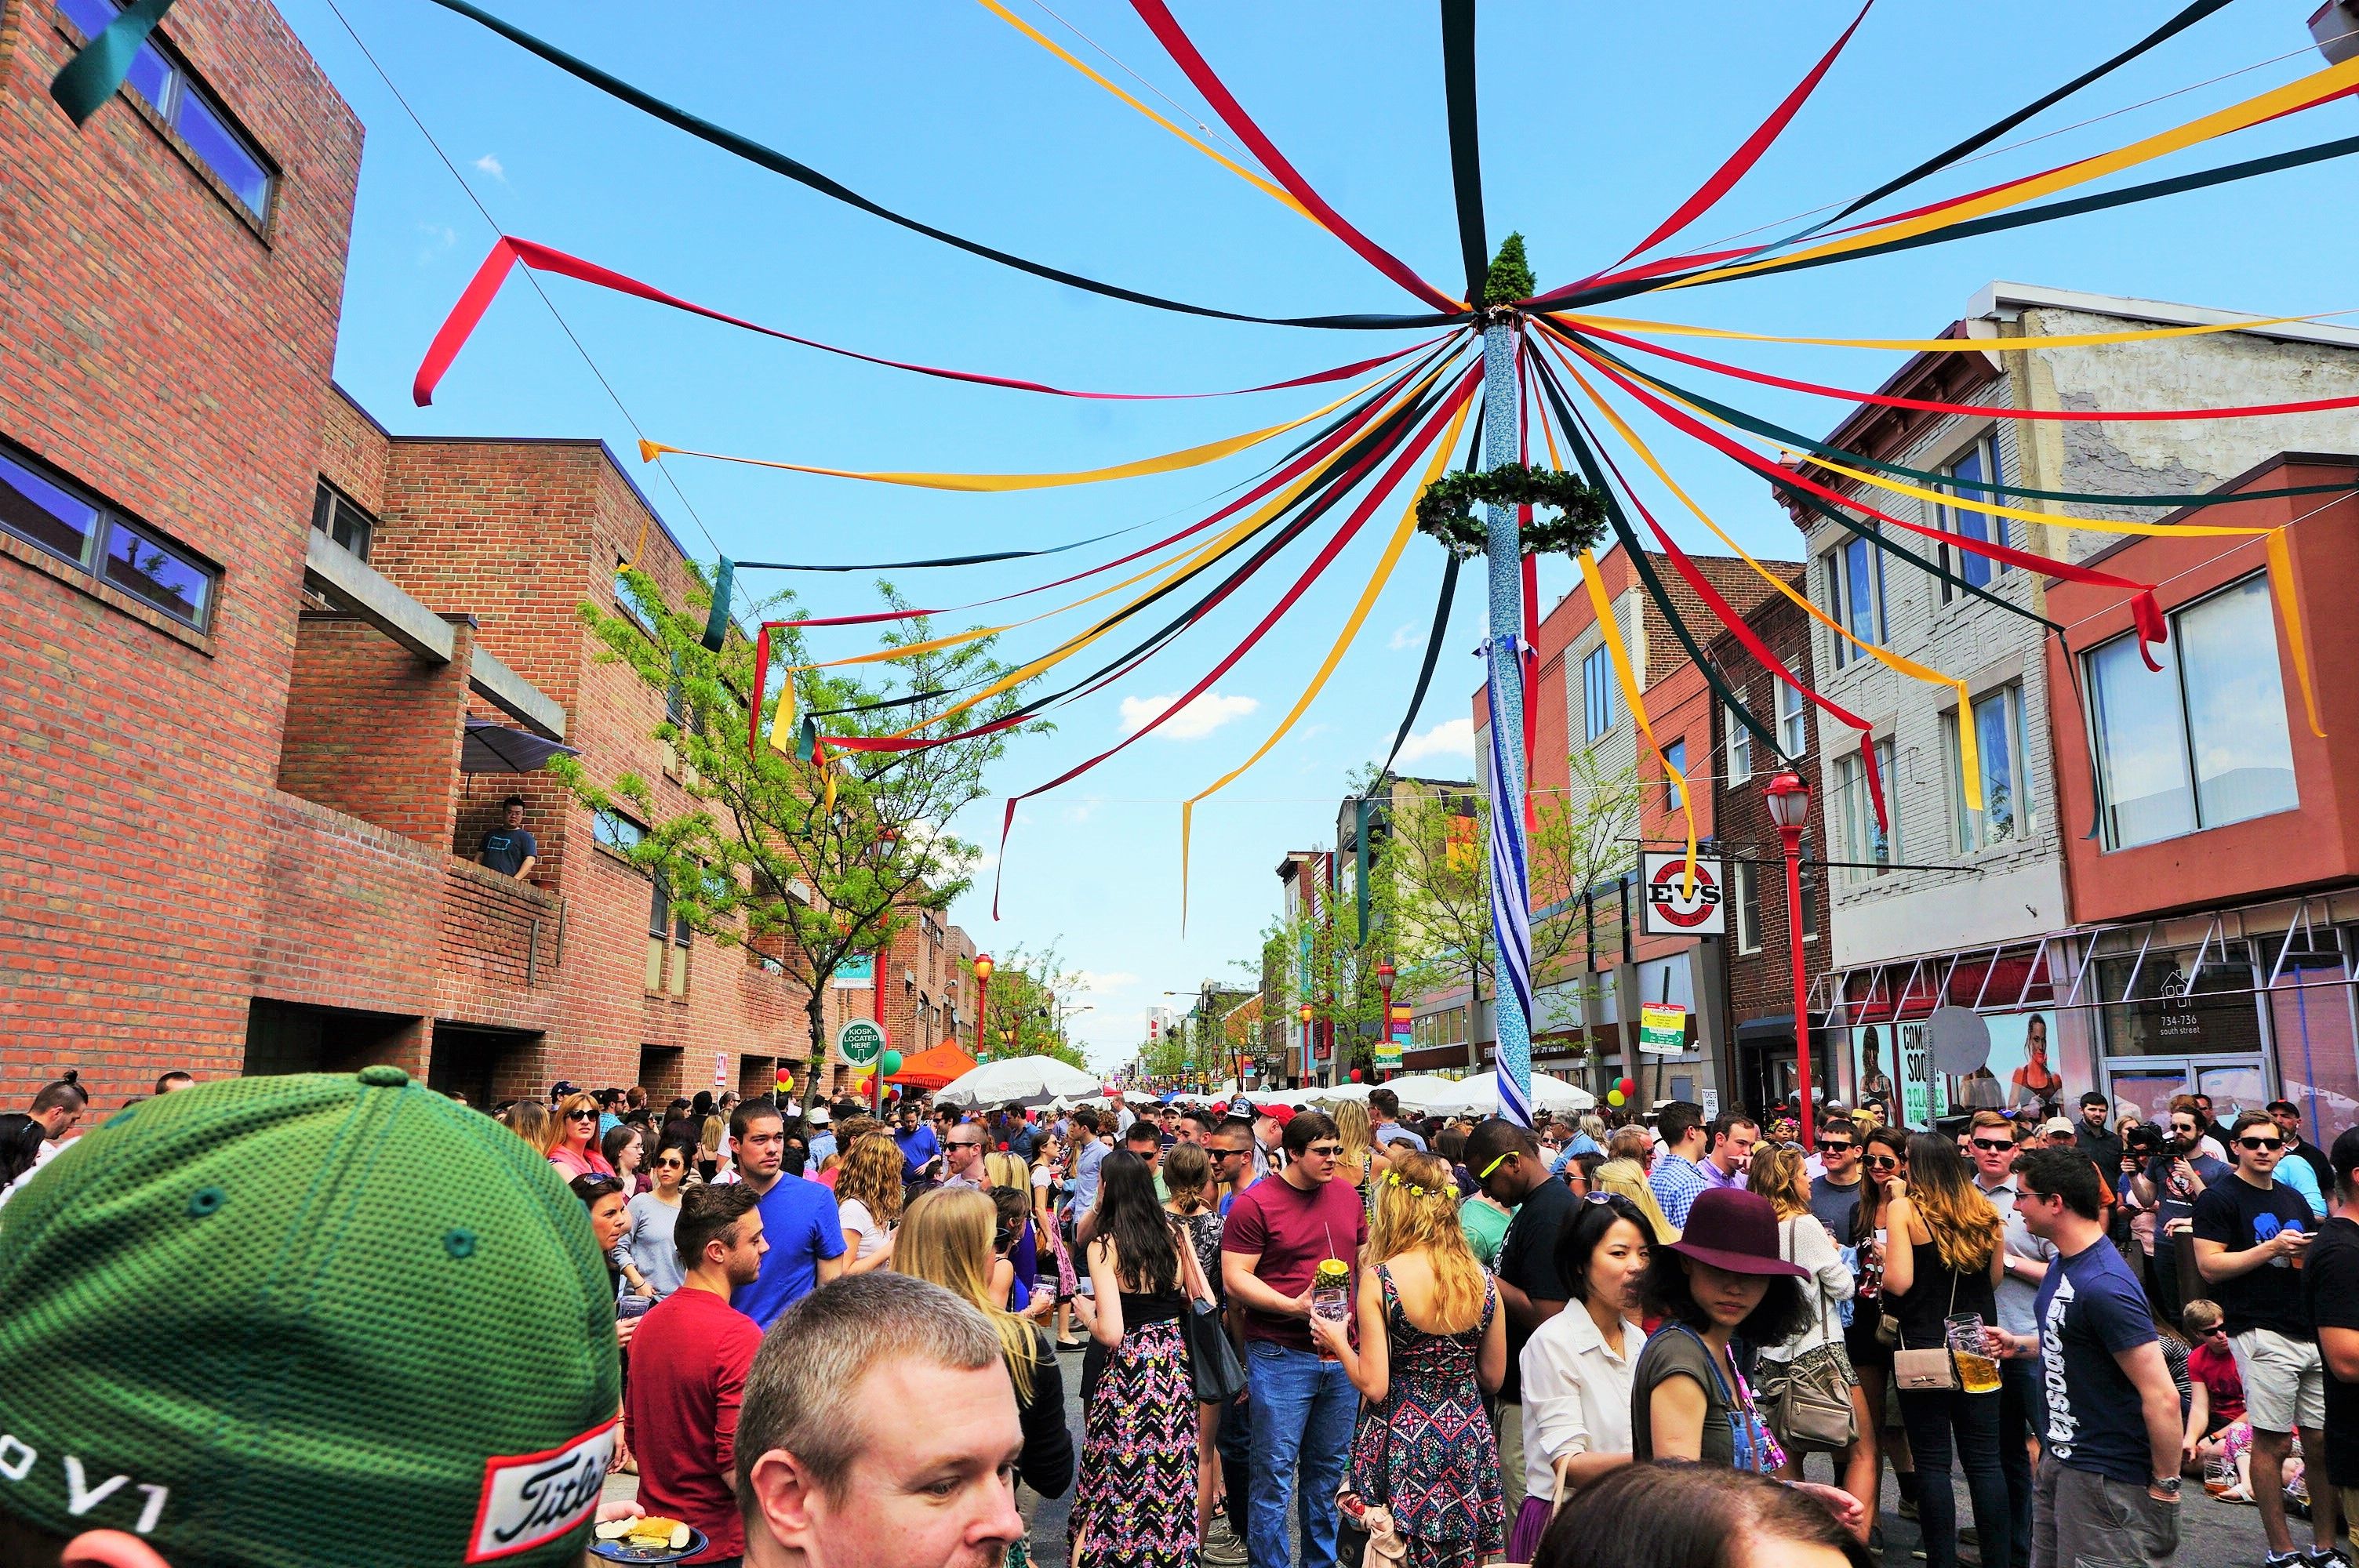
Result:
[[2146, 613], [508, 250], [1409, 454], [1740, 162], [1176, 42]]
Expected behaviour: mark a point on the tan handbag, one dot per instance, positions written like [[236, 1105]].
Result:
[[1927, 1372]]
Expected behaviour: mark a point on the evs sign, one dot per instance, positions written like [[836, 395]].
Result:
[[1671, 913]]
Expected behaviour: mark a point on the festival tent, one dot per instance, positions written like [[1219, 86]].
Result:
[[1019, 1080], [934, 1070]]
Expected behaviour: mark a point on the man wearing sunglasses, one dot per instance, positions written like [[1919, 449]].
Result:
[[1990, 1140], [2250, 1235], [963, 1156], [1834, 1194], [1507, 1163]]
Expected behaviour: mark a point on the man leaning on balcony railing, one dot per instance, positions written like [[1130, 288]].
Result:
[[510, 848]]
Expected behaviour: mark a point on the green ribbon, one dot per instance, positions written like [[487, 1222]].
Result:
[[716, 624], [90, 78]]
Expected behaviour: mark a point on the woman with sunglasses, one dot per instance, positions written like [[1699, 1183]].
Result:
[[1884, 1165], [576, 1153], [1943, 1259], [1777, 1174], [653, 1215], [1577, 1365]]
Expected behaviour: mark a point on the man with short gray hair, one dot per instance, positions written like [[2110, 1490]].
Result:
[[830, 1474]]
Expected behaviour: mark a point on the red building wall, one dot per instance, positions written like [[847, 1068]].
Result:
[[159, 350], [2318, 842]]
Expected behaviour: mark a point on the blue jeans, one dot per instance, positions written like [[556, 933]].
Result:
[[1302, 1415]]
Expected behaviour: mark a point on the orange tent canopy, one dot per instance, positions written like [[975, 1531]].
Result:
[[934, 1069]]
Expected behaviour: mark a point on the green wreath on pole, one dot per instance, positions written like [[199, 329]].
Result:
[[1446, 511]]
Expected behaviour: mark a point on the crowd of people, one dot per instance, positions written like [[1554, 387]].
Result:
[[1299, 1337]]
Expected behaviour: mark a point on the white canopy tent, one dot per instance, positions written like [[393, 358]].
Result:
[[1479, 1094], [1019, 1080]]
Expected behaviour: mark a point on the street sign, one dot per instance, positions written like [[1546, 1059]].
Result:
[[720, 1071], [1663, 1026], [855, 974], [1672, 910], [860, 1039]]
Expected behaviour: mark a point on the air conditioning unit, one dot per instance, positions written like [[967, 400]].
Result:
[[2335, 26]]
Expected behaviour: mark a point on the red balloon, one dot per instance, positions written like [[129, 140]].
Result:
[[1355, 1075]]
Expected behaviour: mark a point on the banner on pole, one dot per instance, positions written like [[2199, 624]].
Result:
[[1663, 1027], [855, 974]]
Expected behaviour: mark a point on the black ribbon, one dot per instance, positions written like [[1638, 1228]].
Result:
[[1465, 145]]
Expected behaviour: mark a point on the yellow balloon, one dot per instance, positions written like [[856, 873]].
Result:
[[1613, 1096]]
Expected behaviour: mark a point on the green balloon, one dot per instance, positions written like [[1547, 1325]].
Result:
[[889, 1064]]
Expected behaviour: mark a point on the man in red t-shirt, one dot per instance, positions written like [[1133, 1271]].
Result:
[[1277, 1233], [688, 1360]]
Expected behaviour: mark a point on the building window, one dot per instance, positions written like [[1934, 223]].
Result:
[[336, 515], [1864, 839], [1745, 890], [627, 602], [183, 102], [1596, 692], [616, 832], [1854, 574], [1793, 723], [44, 509], [1675, 760], [2205, 743], [2006, 816], [1740, 749], [1973, 475]]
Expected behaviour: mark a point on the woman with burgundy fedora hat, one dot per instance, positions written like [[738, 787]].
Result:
[[1720, 1280]]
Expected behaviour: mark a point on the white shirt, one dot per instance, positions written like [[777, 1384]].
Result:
[[1576, 1393], [859, 1224], [1805, 1243]]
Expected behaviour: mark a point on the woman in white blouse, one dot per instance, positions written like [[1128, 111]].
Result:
[[1576, 1366], [1776, 1173]]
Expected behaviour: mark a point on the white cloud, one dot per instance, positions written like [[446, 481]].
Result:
[[1094, 981], [434, 239], [1451, 738], [490, 163], [1194, 722], [1406, 636]]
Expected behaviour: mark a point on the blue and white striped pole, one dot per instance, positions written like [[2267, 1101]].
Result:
[[1511, 899]]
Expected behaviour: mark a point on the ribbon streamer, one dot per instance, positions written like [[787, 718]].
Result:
[[508, 250], [1613, 326], [82, 87], [803, 174], [1182, 50], [1465, 144], [1635, 701]]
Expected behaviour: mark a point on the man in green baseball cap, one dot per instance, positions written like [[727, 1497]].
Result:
[[301, 1322]]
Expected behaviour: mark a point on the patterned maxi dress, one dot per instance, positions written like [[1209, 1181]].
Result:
[[1134, 1506], [1428, 1453]]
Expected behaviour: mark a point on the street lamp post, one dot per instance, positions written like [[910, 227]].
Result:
[[1789, 808], [1385, 975], [982, 967], [1305, 1011]]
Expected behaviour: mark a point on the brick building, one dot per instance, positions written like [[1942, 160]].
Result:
[[256, 645]]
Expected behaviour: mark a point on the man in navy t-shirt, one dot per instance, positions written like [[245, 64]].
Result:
[[509, 848], [2108, 1485], [919, 1147], [797, 1217]]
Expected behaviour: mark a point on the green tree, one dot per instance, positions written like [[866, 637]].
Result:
[[1021, 1015], [767, 855]]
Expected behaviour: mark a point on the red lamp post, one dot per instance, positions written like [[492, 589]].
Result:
[[982, 967], [1789, 808], [1386, 974]]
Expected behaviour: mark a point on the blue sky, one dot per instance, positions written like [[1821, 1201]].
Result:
[[1597, 120]]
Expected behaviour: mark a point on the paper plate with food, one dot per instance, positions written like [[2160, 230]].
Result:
[[651, 1539]]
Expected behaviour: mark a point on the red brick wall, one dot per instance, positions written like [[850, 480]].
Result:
[[372, 730], [352, 913], [156, 348], [500, 948]]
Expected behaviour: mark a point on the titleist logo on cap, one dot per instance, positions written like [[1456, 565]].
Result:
[[531, 1498]]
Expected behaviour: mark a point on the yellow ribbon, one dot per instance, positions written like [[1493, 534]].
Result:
[[1939, 345], [1969, 747], [1636, 702], [1351, 624], [2293, 95], [1169, 462], [1276, 191]]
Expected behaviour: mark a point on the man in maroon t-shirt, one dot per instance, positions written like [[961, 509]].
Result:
[[1277, 1233], [688, 1360]]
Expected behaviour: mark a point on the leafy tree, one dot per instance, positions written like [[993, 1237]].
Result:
[[767, 855], [1020, 1012]]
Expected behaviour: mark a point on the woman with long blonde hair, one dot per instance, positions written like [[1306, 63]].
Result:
[[1432, 1343], [1358, 1135], [868, 1200], [946, 1237], [1942, 1258], [1777, 1173], [530, 1119]]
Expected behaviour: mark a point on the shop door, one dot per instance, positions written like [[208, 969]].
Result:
[[2146, 1084]]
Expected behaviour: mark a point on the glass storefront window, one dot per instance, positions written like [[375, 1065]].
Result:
[[2318, 1055], [2173, 1012]]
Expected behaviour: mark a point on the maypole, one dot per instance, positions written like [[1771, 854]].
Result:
[[1511, 901]]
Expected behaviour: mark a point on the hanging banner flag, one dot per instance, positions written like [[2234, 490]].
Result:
[[1676, 910], [1663, 1025], [857, 974]]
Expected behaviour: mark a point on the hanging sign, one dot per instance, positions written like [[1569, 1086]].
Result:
[[720, 1071], [860, 1039], [1672, 909], [857, 974], [1663, 1025]]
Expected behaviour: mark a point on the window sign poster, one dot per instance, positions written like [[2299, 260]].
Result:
[[1924, 1094], [2021, 1073]]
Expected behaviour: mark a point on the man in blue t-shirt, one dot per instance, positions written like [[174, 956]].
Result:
[[797, 1217], [509, 848], [919, 1147], [2108, 1485]]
